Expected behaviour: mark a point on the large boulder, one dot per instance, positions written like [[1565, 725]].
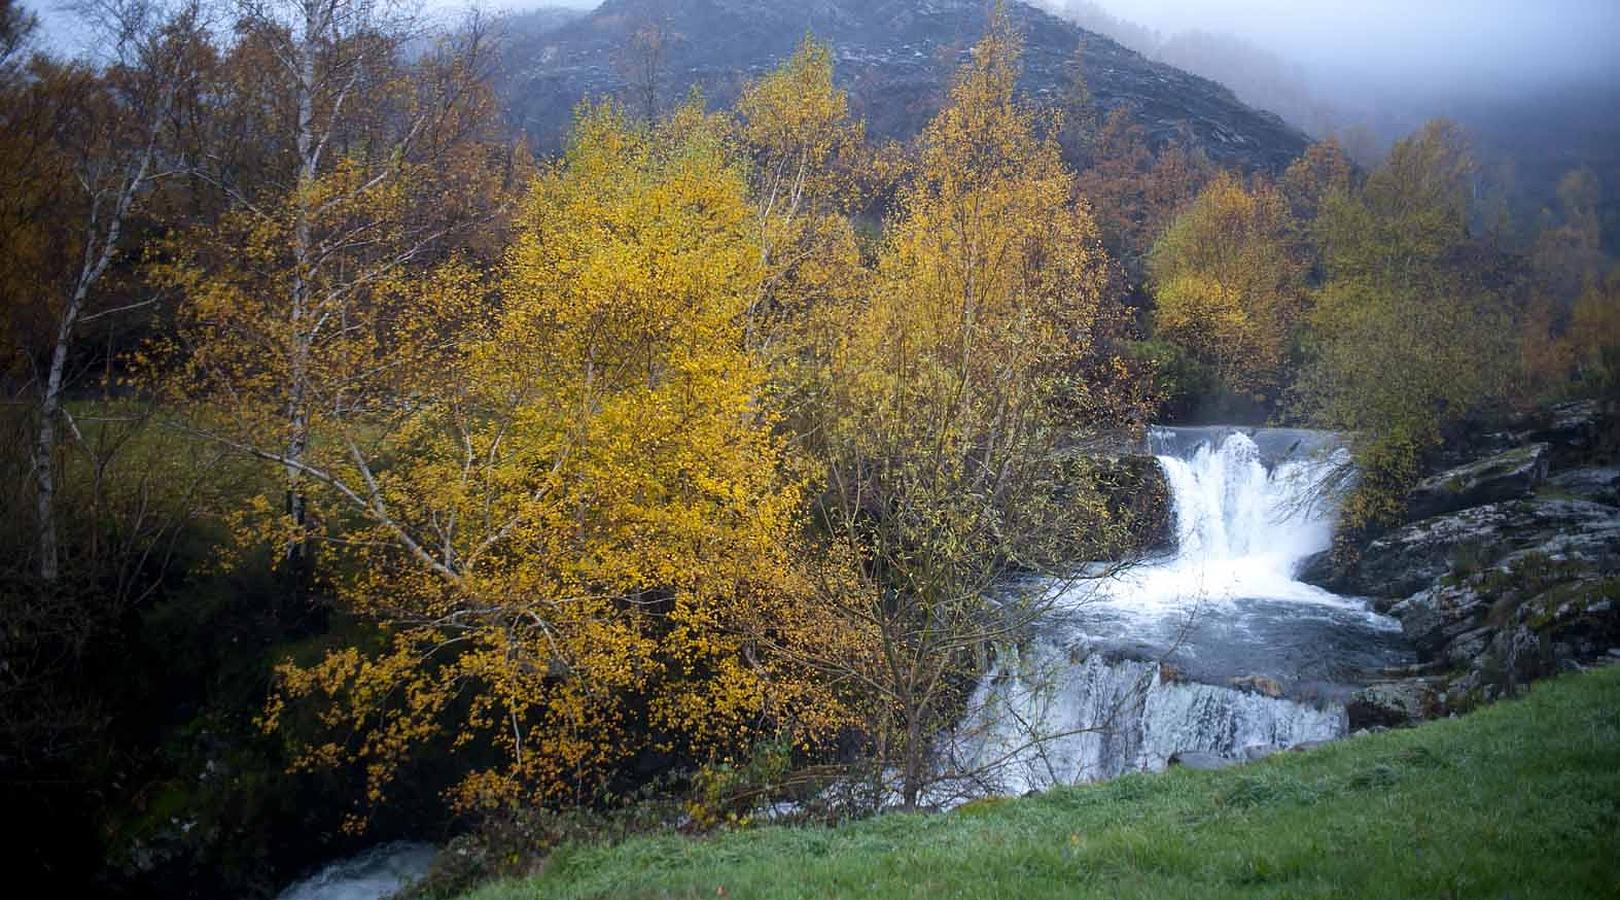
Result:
[[1417, 556], [1499, 629], [1508, 475], [1393, 704]]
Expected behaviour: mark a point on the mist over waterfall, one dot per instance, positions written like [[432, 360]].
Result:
[[1214, 649]]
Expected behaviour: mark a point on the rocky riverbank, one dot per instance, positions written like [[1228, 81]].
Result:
[[1505, 570]]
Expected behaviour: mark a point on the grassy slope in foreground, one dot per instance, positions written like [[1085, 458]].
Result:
[[1521, 799]]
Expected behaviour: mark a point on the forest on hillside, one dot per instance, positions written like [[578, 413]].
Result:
[[366, 474]]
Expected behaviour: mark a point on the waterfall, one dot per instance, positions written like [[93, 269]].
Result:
[[1215, 648], [1245, 517]]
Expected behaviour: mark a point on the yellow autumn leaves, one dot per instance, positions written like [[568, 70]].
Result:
[[616, 495], [574, 524]]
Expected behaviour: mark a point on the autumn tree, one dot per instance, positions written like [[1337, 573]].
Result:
[[1134, 192], [1569, 337], [1228, 284], [1594, 337], [981, 349], [571, 524], [1410, 332], [338, 168], [84, 147], [1322, 171], [1568, 256], [643, 61], [803, 155], [1080, 122]]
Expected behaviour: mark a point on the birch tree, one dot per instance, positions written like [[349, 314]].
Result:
[[362, 166], [573, 528], [87, 142], [983, 347]]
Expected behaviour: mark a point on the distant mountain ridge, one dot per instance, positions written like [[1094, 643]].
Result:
[[895, 57]]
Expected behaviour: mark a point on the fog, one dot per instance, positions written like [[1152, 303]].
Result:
[[1457, 48], [1444, 47]]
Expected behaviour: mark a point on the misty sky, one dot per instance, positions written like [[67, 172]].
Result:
[[1440, 46], [1429, 46], [1435, 47]]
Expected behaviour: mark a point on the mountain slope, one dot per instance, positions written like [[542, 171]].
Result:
[[894, 56]]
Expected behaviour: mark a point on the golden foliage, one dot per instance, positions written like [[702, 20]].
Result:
[[1229, 285], [585, 511], [942, 398]]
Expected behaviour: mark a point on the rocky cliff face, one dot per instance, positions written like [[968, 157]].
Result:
[[1508, 569], [895, 57]]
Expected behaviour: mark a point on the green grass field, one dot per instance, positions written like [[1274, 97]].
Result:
[[1521, 799]]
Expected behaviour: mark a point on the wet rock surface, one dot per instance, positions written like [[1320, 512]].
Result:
[[1507, 571], [1508, 475], [1417, 556]]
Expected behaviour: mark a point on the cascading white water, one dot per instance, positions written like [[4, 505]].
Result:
[[1242, 528], [1089, 697], [377, 872]]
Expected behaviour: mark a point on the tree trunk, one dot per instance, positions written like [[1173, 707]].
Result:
[[297, 402], [50, 405], [912, 778], [50, 408]]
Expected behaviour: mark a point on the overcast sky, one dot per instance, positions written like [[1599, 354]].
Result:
[[1451, 46]]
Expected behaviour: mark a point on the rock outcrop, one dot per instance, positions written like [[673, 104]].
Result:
[[1507, 571], [1419, 555], [895, 57], [1504, 476]]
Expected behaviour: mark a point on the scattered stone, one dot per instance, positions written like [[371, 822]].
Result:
[[1202, 761]]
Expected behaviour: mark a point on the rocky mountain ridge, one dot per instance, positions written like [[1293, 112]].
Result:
[[895, 57]]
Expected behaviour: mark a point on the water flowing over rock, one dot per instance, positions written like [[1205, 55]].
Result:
[[1215, 652], [1102, 718], [371, 875]]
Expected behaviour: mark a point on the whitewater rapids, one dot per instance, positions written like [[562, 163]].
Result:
[[1216, 649]]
